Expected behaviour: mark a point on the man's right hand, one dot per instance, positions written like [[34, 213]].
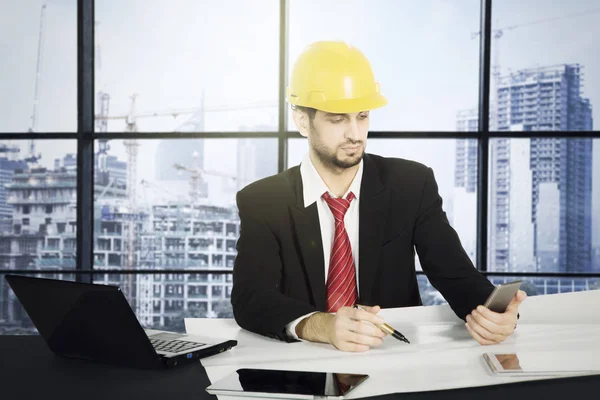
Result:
[[349, 329]]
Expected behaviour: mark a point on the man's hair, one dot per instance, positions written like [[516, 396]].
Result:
[[311, 112]]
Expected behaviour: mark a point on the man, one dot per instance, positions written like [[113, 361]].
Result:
[[341, 229]]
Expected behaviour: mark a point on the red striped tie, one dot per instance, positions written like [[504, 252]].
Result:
[[341, 278]]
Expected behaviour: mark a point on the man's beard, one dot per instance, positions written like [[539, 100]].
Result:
[[332, 161]]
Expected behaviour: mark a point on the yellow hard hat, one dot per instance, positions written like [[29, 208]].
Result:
[[334, 77]]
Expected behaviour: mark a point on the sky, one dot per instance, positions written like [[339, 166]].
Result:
[[182, 54]]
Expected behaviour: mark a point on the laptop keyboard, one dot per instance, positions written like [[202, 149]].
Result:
[[173, 346]]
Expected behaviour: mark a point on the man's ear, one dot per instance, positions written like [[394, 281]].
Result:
[[301, 121]]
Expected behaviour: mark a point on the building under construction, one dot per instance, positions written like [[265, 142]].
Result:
[[554, 218], [545, 98], [43, 227], [176, 235]]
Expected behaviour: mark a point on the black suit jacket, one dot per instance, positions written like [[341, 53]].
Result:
[[279, 272]]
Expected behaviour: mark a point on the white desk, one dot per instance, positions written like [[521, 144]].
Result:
[[441, 355]]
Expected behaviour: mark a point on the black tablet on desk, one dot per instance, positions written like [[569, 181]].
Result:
[[286, 384]]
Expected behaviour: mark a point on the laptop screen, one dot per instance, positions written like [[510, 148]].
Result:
[[84, 320]]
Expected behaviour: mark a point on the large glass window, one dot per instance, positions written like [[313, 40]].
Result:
[[186, 113], [200, 66], [38, 72]]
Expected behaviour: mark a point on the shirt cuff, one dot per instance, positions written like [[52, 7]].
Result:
[[290, 328]]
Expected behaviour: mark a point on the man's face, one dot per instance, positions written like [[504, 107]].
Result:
[[338, 140]]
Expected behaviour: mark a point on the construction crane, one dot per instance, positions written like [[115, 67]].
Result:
[[132, 149], [32, 158], [132, 145], [196, 174], [108, 185], [175, 112], [102, 101], [498, 33], [131, 117], [148, 184]]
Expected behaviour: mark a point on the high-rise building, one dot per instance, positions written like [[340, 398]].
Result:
[[548, 225], [596, 203], [467, 120], [464, 208], [568, 165], [112, 171], [544, 98], [511, 227], [110, 178], [560, 170], [465, 173], [521, 234], [69, 162]]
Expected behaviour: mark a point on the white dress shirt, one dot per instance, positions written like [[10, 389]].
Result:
[[313, 188]]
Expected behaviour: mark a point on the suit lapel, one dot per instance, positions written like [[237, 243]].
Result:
[[373, 210], [307, 232]]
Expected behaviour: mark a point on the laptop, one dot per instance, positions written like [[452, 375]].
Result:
[[95, 322]]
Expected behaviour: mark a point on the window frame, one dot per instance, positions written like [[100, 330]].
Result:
[[86, 136]]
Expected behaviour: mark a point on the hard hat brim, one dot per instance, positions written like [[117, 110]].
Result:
[[347, 106]]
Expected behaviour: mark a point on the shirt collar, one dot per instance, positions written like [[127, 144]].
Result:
[[313, 186]]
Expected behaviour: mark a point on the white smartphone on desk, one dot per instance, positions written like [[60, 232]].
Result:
[[543, 363], [502, 295], [286, 384]]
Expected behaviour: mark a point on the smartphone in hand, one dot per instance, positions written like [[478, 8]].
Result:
[[502, 295]]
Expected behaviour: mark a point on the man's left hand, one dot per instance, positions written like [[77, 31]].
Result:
[[489, 327]]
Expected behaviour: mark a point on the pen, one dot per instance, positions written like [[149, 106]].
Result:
[[388, 329]]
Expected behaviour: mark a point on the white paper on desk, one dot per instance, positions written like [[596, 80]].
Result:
[[441, 355], [561, 308]]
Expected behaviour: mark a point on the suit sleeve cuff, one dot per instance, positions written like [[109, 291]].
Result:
[[290, 328]]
